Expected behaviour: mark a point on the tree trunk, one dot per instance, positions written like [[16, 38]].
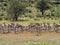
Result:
[[16, 19], [42, 12]]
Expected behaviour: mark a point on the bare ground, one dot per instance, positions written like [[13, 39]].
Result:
[[30, 36]]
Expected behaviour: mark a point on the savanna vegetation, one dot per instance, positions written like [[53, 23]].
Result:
[[14, 10], [19, 15]]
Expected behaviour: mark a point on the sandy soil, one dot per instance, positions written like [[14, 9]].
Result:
[[30, 36]]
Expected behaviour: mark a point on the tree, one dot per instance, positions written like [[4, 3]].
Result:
[[42, 5], [15, 9]]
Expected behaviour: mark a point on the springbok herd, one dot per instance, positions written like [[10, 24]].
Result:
[[32, 27]]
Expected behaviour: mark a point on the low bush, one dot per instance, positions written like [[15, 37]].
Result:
[[1, 17], [7, 17]]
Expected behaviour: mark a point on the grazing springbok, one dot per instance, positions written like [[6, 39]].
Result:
[[56, 27], [9, 28], [3, 26], [48, 27], [16, 28], [38, 28], [32, 27], [44, 26]]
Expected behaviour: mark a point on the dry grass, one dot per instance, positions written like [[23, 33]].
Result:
[[31, 36], [28, 38]]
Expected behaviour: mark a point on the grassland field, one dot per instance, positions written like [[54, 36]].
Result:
[[28, 38], [26, 21]]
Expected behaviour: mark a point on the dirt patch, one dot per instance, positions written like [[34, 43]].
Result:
[[30, 36]]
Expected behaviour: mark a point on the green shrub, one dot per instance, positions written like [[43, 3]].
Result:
[[1, 17], [36, 19], [7, 17], [39, 15], [30, 16]]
